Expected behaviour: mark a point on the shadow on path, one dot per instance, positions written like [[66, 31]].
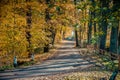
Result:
[[67, 59]]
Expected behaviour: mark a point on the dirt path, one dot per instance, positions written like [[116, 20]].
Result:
[[67, 60]]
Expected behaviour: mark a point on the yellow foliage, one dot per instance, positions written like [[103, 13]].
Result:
[[13, 25]]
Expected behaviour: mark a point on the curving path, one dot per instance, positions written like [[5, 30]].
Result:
[[67, 60]]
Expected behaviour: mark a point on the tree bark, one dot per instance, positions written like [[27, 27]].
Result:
[[104, 24], [47, 18], [113, 39], [90, 28], [119, 47], [46, 48], [119, 39], [76, 32], [53, 37], [29, 23], [103, 37], [76, 38], [116, 7]]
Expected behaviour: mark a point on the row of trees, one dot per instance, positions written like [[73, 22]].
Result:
[[30, 25], [99, 26], [27, 25], [100, 21]]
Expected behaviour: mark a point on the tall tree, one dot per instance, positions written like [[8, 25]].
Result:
[[113, 39], [94, 15], [104, 23], [28, 27], [47, 19], [119, 45], [76, 33], [115, 26], [90, 23], [94, 4], [90, 28]]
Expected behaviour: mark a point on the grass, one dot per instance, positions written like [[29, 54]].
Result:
[[26, 61], [108, 63], [20, 64], [105, 63], [6, 67]]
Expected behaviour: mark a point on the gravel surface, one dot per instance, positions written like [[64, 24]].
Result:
[[67, 64]]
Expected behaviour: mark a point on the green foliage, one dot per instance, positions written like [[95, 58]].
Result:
[[38, 50], [6, 67], [94, 39], [108, 63], [28, 63], [62, 13]]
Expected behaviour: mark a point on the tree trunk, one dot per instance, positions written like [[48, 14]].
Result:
[[46, 48], [28, 33], [113, 39], [119, 47], [103, 37], [104, 24], [92, 16], [47, 18], [76, 32], [53, 37], [76, 38], [114, 42], [95, 30], [119, 39], [90, 28], [116, 7]]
